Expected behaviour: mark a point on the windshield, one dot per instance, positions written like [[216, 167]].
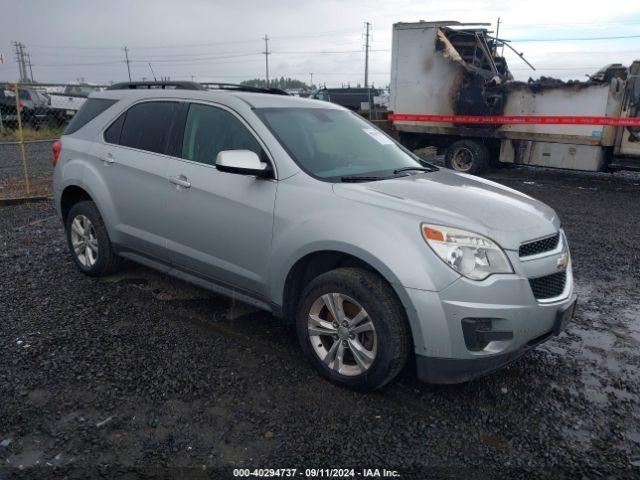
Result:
[[331, 144]]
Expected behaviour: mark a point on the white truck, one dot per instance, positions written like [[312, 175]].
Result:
[[450, 89], [65, 104]]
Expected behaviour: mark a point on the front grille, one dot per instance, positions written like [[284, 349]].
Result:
[[549, 286], [539, 246]]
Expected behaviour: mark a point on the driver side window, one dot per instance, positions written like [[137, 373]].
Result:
[[210, 130]]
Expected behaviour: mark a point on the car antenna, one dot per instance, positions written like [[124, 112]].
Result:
[[152, 73]]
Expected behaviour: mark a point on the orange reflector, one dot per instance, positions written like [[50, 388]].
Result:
[[431, 234]]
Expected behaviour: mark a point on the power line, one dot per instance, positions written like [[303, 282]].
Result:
[[147, 60], [194, 61], [328, 52], [221, 55], [90, 64], [582, 67], [192, 45], [619, 37], [202, 59], [577, 24]]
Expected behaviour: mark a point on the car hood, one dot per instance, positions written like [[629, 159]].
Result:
[[464, 201]]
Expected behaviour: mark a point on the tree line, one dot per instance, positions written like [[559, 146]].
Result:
[[281, 83]]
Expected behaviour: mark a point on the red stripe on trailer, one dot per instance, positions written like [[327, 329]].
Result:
[[518, 119]]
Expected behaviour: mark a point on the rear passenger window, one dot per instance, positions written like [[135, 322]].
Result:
[[89, 110], [210, 130], [147, 126]]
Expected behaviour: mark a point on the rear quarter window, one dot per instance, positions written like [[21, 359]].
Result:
[[112, 134], [89, 110]]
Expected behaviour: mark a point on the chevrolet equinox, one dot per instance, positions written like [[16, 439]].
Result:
[[304, 209]]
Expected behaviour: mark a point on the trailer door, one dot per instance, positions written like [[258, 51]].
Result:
[[629, 137]]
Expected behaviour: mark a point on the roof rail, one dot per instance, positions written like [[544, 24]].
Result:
[[241, 88], [169, 85]]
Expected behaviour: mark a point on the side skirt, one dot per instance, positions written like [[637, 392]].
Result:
[[216, 287]]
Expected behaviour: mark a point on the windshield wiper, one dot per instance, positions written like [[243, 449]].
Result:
[[359, 178], [409, 169]]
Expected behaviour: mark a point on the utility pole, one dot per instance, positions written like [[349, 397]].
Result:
[[311, 80], [127, 61], [22, 67], [16, 47], [366, 56], [266, 56], [30, 66]]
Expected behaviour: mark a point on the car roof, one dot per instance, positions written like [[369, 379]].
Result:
[[254, 100]]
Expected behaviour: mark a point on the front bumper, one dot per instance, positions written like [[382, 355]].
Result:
[[457, 370], [505, 302]]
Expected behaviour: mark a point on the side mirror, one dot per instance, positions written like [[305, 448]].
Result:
[[244, 162]]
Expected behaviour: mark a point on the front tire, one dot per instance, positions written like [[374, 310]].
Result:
[[353, 329], [89, 242]]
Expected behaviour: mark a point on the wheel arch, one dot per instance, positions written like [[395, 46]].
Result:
[[87, 185], [71, 195], [314, 263]]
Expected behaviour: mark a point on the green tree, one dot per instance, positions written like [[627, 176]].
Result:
[[282, 83]]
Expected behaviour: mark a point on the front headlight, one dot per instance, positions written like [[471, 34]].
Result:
[[470, 254]]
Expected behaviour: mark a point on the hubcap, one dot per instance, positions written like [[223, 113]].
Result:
[[462, 159], [84, 241], [342, 334]]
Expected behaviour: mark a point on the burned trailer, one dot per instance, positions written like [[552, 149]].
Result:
[[451, 89]]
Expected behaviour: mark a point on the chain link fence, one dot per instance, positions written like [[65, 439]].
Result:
[[32, 117]]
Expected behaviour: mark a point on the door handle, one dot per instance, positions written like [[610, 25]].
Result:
[[108, 158], [181, 181]]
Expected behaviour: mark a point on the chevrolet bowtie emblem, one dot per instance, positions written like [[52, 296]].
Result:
[[563, 261]]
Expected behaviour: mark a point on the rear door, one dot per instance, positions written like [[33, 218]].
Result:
[[220, 224], [133, 161]]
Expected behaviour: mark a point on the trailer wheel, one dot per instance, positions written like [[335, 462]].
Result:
[[467, 156]]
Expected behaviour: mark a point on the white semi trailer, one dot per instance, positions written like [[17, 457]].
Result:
[[450, 89]]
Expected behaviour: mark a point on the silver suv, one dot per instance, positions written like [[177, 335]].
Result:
[[306, 210]]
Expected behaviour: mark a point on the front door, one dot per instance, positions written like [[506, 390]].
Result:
[[220, 224]]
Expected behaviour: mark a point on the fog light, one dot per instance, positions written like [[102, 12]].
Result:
[[479, 332]]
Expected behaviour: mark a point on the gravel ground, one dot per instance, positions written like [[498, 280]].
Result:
[[38, 155], [140, 374]]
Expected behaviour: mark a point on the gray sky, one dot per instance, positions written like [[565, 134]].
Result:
[[221, 40]]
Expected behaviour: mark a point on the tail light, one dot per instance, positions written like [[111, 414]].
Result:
[[21, 105], [57, 147]]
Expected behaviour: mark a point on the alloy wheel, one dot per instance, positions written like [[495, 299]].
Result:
[[84, 241], [342, 334]]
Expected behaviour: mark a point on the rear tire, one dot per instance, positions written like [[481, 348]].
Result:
[[369, 344], [89, 242], [467, 156]]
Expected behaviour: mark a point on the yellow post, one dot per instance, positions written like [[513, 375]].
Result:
[[25, 167]]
